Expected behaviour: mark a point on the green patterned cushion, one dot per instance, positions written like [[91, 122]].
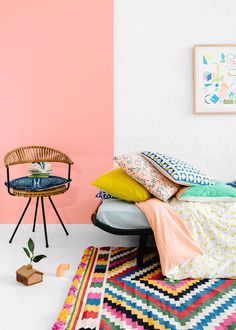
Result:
[[219, 192]]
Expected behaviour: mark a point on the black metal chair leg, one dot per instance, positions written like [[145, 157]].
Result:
[[35, 214], [22, 216], [58, 215], [44, 223], [141, 248]]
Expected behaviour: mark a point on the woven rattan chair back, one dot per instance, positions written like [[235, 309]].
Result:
[[31, 154]]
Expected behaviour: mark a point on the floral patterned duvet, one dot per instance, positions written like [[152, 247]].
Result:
[[213, 227]]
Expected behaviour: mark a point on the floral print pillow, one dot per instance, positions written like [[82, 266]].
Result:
[[139, 168]]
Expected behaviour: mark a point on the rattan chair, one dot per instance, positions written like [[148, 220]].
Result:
[[30, 154]]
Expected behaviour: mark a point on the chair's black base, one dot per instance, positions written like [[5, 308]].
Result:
[[35, 217]]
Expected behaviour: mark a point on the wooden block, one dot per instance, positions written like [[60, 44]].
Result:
[[27, 275]]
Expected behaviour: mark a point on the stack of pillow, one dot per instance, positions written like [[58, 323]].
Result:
[[147, 174]]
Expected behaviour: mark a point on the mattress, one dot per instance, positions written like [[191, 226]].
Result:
[[122, 215]]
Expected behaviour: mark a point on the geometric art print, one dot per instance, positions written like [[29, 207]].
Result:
[[215, 78]]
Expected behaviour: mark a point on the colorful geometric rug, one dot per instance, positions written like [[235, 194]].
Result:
[[110, 292]]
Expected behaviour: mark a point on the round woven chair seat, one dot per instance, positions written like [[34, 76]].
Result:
[[42, 193]]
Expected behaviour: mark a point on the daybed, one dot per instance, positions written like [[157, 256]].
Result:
[[194, 227], [212, 226]]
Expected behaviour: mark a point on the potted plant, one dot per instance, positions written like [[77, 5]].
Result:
[[27, 274]]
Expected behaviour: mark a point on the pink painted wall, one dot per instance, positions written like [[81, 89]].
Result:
[[56, 89]]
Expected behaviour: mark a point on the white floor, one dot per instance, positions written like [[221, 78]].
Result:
[[37, 307]]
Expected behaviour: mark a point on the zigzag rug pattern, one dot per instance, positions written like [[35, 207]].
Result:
[[109, 291]]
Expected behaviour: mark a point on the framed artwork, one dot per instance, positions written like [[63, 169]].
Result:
[[214, 79]]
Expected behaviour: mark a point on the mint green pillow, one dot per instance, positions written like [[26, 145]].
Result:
[[219, 192]]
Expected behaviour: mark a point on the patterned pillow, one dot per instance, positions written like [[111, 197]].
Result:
[[104, 195], [219, 192], [232, 184], [136, 166], [177, 170], [37, 184]]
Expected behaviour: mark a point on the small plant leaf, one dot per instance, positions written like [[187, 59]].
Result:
[[39, 257], [31, 245], [26, 252]]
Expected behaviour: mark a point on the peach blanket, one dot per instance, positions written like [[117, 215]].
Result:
[[173, 239]]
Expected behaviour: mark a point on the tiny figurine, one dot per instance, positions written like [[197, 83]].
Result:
[[61, 269], [26, 274]]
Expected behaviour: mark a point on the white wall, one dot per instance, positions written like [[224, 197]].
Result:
[[153, 81]]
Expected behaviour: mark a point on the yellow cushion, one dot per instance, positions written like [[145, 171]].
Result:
[[119, 184]]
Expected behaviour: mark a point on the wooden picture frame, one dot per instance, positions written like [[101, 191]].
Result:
[[214, 79]]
